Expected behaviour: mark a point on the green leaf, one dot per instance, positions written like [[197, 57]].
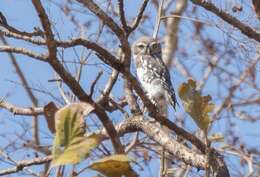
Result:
[[195, 104], [114, 166], [70, 145]]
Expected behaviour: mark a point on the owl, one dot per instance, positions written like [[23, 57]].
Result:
[[153, 73]]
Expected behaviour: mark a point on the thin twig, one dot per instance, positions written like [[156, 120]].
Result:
[[19, 50], [236, 85], [158, 20], [187, 18], [207, 165], [214, 61], [108, 88], [11, 34], [25, 163], [3, 23], [122, 15], [139, 16], [245, 29], [172, 28], [133, 143], [34, 100], [92, 87], [68, 78], [30, 111], [59, 81]]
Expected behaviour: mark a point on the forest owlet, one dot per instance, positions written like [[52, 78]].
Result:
[[153, 73]]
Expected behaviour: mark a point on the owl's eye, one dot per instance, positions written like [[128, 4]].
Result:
[[141, 46], [155, 45]]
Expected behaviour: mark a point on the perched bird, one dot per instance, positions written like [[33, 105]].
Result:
[[153, 73], [155, 79]]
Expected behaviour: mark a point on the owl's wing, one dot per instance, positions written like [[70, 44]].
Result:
[[167, 84], [164, 74]]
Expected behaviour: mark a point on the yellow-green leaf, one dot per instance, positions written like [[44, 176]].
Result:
[[70, 145], [114, 166], [195, 104]]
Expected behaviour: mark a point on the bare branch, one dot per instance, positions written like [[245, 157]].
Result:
[[110, 59], [154, 131], [110, 83], [247, 30], [94, 8], [208, 71], [106, 55], [140, 123], [152, 109], [182, 68], [139, 16], [3, 23], [70, 80], [36, 41], [122, 36], [112, 105], [47, 29], [59, 85], [172, 28], [132, 144], [92, 87], [19, 50], [131, 98], [158, 19], [25, 163], [31, 111], [165, 140], [236, 85], [122, 15], [247, 102], [29, 92], [21, 75], [173, 15], [171, 43]]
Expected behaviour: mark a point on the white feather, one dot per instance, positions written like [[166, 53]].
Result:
[[151, 88]]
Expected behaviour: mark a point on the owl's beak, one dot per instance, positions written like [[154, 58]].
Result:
[[148, 50]]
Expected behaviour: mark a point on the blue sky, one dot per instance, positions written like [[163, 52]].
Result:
[[22, 15]]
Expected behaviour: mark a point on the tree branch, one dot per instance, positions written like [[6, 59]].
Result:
[[122, 15], [140, 123], [162, 137], [94, 8], [4, 23], [70, 80], [34, 100], [158, 19], [106, 55], [108, 88], [172, 28], [31, 111], [247, 30], [139, 16], [19, 50], [122, 36], [30, 39], [92, 87], [25, 163]]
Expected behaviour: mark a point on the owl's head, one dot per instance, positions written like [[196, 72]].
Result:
[[146, 46]]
